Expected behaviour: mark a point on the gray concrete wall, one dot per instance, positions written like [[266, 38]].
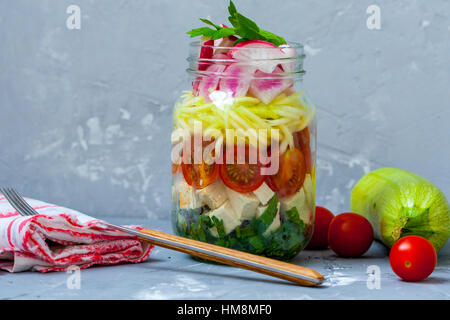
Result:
[[86, 114]]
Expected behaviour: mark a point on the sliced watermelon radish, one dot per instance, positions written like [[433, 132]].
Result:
[[195, 85], [262, 54], [223, 44], [206, 52], [221, 56], [270, 86], [209, 82], [237, 79], [289, 65]]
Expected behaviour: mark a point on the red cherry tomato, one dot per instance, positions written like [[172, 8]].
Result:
[[322, 221], [291, 173], [350, 235], [241, 177], [199, 175], [413, 258]]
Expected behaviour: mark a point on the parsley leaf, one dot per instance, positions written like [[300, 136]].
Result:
[[249, 30], [243, 27], [210, 23], [220, 32]]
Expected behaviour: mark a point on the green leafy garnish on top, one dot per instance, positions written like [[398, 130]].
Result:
[[243, 27]]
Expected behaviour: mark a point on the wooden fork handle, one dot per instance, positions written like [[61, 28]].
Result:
[[287, 271]]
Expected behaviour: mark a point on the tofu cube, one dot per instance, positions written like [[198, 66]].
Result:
[[187, 197], [214, 195], [299, 201], [244, 204], [227, 215], [264, 194]]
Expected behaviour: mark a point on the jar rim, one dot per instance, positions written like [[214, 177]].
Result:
[[295, 60], [291, 44]]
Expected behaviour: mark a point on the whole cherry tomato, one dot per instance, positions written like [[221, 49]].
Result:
[[350, 235], [413, 258], [319, 239]]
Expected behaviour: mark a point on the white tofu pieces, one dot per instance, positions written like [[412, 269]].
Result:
[[276, 222], [264, 194], [214, 195], [302, 200], [187, 196], [297, 200], [227, 215], [244, 204]]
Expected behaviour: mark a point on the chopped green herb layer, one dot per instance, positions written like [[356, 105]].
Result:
[[283, 244]]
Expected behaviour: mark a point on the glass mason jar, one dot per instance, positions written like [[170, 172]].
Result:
[[243, 150]]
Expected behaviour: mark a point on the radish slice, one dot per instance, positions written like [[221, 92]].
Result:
[[258, 50], [195, 85], [267, 89], [237, 79], [206, 52], [224, 42], [290, 52], [222, 56], [209, 83]]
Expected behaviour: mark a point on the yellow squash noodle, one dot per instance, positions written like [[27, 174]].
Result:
[[286, 113]]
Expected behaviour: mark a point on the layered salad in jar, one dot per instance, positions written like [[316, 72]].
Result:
[[244, 143]]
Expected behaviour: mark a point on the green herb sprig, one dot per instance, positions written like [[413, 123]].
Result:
[[243, 27]]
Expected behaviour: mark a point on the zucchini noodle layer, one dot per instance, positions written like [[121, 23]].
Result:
[[247, 115]]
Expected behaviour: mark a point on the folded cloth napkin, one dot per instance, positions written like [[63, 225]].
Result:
[[58, 238]]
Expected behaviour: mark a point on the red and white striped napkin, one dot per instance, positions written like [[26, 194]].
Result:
[[59, 237]]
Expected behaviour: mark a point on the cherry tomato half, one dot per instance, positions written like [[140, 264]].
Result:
[[350, 235], [302, 141], [319, 239], [291, 173], [199, 175], [241, 176], [413, 258]]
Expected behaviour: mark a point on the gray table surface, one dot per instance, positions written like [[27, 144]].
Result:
[[172, 275]]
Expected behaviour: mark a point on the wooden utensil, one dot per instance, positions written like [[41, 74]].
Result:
[[283, 270]]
